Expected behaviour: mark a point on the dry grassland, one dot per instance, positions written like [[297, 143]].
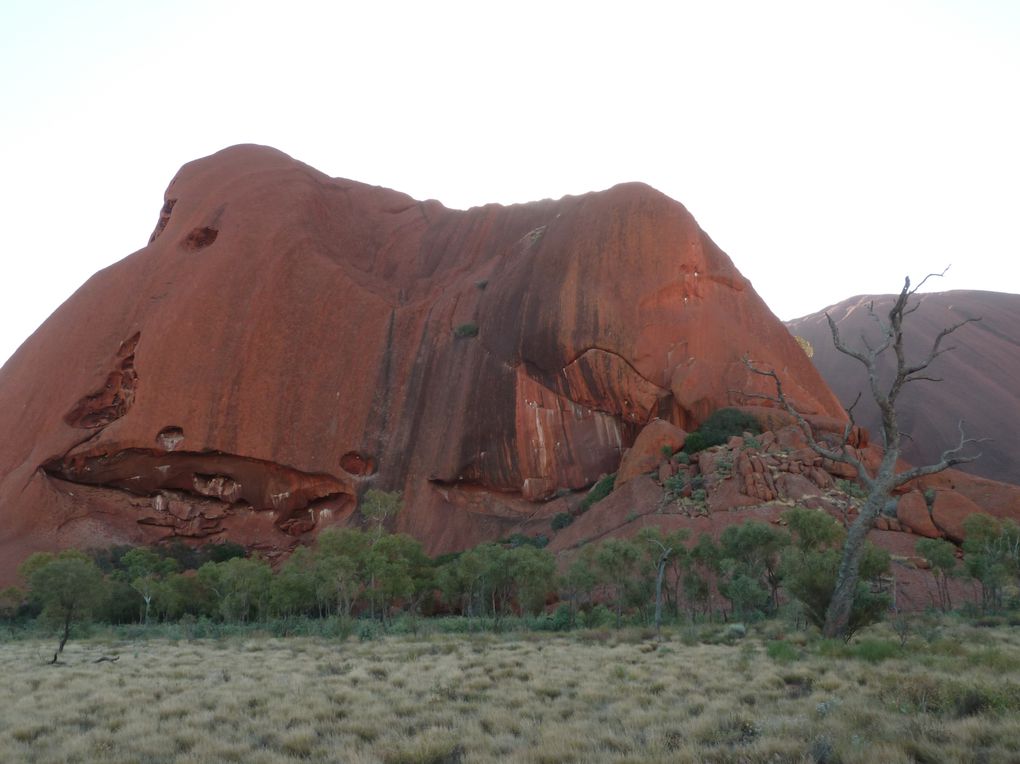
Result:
[[582, 697]]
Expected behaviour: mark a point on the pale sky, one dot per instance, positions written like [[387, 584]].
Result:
[[831, 148]]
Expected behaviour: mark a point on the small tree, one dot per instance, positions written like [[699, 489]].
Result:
[[881, 481], [811, 564], [752, 551], [616, 562], [579, 580], [399, 571], [241, 586], [67, 586], [534, 574], [704, 570], [145, 571], [11, 600], [991, 555], [379, 507], [941, 556], [292, 589], [661, 551], [340, 560]]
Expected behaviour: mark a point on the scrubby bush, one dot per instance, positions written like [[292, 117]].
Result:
[[675, 485], [876, 650], [470, 329], [782, 652], [561, 520], [720, 426], [602, 488], [514, 540], [695, 442]]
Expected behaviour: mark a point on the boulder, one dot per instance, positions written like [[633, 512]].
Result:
[[912, 512], [949, 512], [648, 450]]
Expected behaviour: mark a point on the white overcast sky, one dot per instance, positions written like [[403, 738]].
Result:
[[831, 148]]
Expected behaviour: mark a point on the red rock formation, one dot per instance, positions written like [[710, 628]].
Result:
[[761, 479], [287, 339], [979, 375], [913, 513], [647, 452]]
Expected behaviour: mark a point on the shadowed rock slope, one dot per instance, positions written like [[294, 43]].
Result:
[[286, 340], [980, 375]]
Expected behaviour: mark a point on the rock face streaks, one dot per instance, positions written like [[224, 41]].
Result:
[[286, 340]]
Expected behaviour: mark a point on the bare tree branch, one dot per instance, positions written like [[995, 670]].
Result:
[[922, 282], [949, 458], [843, 453], [935, 351]]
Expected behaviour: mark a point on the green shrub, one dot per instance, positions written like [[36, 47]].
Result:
[[470, 329], [561, 520], [561, 618], [368, 630], [720, 426], [599, 491], [598, 617], [515, 540], [782, 652], [851, 489], [675, 485], [876, 650], [695, 442]]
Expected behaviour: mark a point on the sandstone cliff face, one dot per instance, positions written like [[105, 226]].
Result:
[[286, 340], [979, 376]]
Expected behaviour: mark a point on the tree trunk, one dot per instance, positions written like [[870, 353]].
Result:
[[68, 615], [837, 616], [663, 558]]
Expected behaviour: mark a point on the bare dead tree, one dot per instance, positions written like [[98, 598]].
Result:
[[665, 552], [882, 480]]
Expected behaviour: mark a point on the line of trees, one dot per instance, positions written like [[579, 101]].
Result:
[[370, 573]]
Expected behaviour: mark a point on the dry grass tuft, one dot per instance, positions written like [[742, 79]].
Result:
[[587, 697]]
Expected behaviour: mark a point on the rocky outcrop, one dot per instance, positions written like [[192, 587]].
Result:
[[286, 340], [978, 377], [760, 478]]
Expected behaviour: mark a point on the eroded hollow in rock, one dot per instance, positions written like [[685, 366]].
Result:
[[357, 464], [219, 487], [170, 437], [200, 238], [227, 478], [111, 401]]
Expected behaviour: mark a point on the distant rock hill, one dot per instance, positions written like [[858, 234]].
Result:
[[286, 340], [980, 375]]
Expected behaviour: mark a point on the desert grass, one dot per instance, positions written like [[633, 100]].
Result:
[[948, 694]]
